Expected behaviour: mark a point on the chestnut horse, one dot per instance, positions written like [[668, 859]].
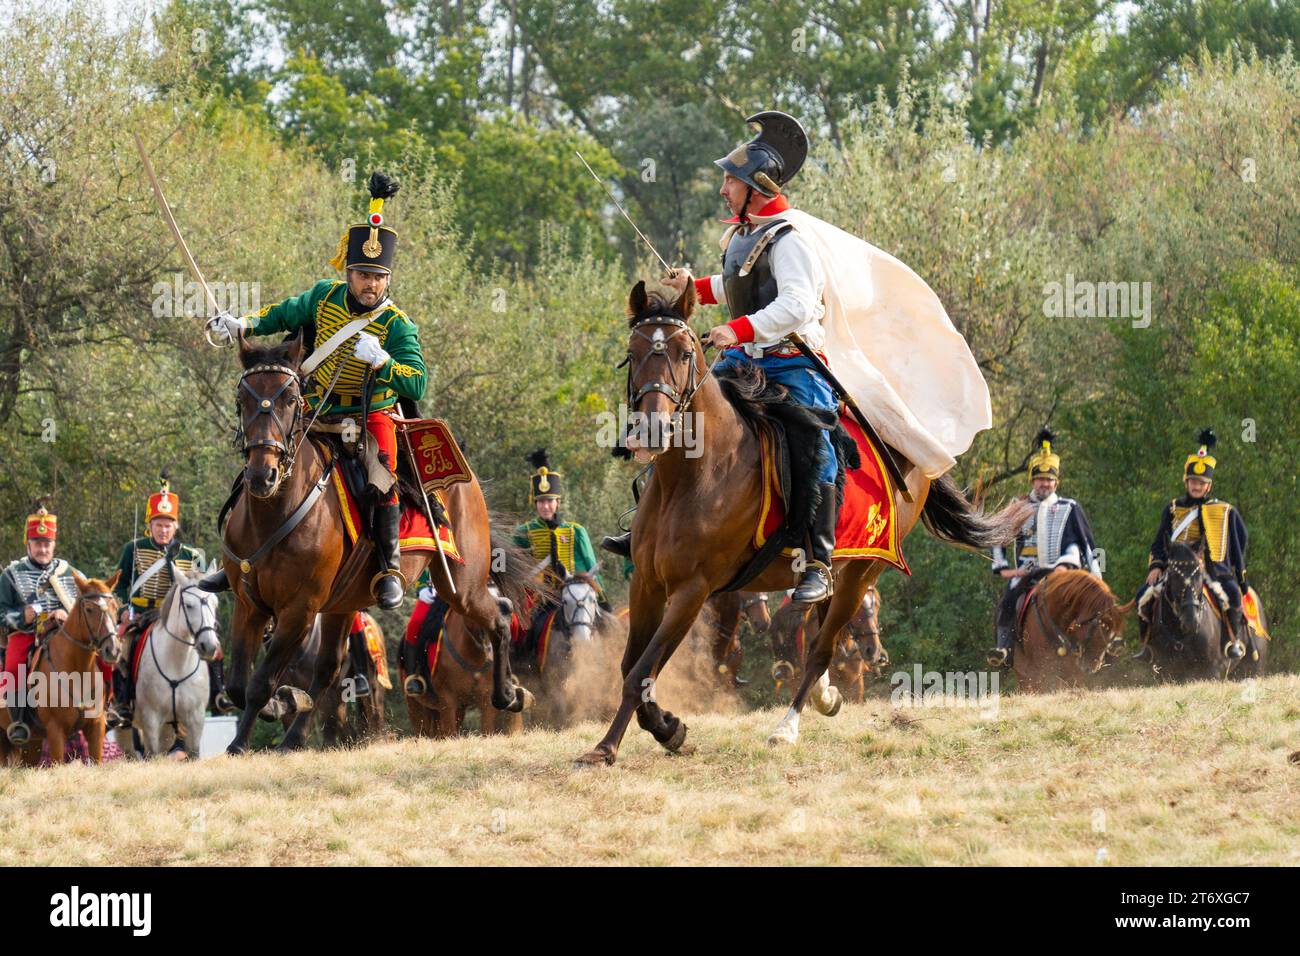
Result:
[[288, 558], [695, 522], [462, 680], [1073, 627], [70, 657]]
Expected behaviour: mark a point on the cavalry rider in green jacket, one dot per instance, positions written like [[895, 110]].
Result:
[[145, 578], [561, 547], [356, 333]]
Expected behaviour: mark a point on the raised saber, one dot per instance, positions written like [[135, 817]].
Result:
[[619, 205], [891, 465], [193, 266]]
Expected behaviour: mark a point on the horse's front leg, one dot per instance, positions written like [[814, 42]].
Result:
[[642, 662], [334, 635], [94, 731], [247, 628], [290, 631], [57, 738]]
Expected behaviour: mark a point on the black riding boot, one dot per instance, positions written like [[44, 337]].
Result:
[[620, 544], [817, 583], [1237, 636], [219, 701], [414, 685], [1005, 631], [122, 709], [361, 663], [388, 585]]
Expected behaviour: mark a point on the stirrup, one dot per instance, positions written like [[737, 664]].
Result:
[[222, 704], [999, 657], [814, 568], [19, 734], [388, 604], [1235, 649], [414, 686], [119, 718]]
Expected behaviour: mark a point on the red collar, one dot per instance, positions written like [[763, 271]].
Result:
[[777, 204]]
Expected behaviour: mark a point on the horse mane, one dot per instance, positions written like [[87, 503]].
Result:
[[1075, 595], [281, 353]]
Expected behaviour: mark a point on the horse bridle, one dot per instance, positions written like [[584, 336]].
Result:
[[189, 624], [1066, 642], [266, 405], [659, 347], [108, 604]]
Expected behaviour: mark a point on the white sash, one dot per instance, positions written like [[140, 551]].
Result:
[[1182, 525], [338, 338], [148, 573], [61, 567]]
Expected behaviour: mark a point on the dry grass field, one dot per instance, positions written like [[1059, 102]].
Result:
[[1184, 775]]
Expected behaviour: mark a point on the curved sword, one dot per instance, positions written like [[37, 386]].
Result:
[[193, 266]]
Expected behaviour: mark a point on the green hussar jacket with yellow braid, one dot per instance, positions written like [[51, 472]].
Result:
[[565, 541], [323, 310], [137, 561]]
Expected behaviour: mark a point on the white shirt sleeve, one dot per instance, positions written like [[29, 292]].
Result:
[[798, 304]]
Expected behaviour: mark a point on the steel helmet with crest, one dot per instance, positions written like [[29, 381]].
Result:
[[772, 158]]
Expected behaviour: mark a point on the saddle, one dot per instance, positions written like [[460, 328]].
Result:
[[793, 433]]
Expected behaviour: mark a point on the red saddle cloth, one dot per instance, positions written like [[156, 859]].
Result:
[[413, 533], [867, 524], [141, 640]]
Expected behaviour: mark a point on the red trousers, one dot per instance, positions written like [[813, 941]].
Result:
[[16, 654], [413, 626], [383, 430]]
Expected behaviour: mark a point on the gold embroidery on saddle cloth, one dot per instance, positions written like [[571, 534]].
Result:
[[1215, 518]]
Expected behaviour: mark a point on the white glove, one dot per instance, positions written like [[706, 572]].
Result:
[[369, 350], [427, 595], [227, 327]]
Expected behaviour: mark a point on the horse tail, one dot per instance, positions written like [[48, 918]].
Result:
[[949, 516], [512, 568]]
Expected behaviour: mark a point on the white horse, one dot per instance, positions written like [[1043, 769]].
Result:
[[579, 609], [171, 690]]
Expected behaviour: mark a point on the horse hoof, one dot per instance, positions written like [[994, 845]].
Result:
[[783, 736], [595, 758], [236, 750], [829, 704], [275, 709], [674, 743], [297, 700], [523, 700]]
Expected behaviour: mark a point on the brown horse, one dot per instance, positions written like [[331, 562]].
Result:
[[858, 651], [694, 526], [730, 610], [341, 724], [462, 680], [68, 669], [288, 558], [1187, 634], [1073, 627]]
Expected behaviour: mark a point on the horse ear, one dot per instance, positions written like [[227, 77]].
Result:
[[296, 349], [112, 582], [638, 301], [246, 351], [83, 582], [686, 304]]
